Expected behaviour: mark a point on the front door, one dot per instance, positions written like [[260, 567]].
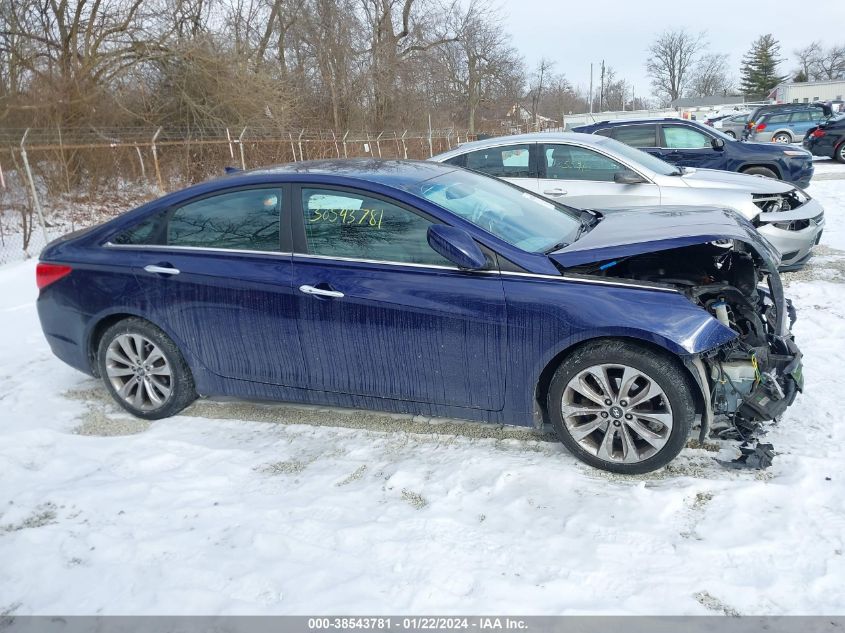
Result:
[[684, 145], [584, 178], [381, 314]]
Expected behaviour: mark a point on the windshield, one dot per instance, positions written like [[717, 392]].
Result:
[[514, 215], [639, 157]]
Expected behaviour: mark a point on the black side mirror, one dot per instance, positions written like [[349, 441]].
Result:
[[627, 177], [457, 246], [717, 143]]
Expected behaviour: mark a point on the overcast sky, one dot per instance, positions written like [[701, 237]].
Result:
[[573, 34]]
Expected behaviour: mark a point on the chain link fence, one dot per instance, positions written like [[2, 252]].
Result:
[[54, 181]]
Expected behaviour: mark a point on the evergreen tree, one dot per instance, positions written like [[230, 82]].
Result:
[[759, 66]]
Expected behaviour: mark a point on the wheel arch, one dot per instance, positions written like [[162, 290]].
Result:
[[544, 379], [773, 166]]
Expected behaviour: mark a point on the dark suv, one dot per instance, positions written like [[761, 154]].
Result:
[[691, 144], [816, 111]]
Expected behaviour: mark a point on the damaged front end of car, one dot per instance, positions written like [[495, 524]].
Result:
[[755, 376]]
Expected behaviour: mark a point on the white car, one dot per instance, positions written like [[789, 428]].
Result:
[[596, 172]]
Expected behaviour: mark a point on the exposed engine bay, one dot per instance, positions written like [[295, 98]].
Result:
[[755, 377]]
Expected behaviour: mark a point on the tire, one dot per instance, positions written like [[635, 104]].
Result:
[[760, 171], [143, 370], [782, 137], [665, 418], [730, 133], [840, 152]]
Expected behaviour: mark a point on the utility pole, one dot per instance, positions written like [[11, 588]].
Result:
[[591, 88], [601, 93]]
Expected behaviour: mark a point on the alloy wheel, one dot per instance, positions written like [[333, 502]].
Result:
[[617, 413], [139, 372]]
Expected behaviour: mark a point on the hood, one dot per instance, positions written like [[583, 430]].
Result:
[[649, 229], [717, 179]]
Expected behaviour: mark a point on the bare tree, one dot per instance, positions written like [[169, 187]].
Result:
[[829, 64], [672, 57], [806, 58], [710, 76], [538, 77]]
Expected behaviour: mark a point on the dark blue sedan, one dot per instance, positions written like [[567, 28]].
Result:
[[424, 288], [690, 144]]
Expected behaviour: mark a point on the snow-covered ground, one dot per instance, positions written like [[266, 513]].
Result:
[[237, 508]]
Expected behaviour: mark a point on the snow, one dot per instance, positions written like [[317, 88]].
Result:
[[238, 508]]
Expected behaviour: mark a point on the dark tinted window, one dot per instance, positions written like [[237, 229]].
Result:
[[636, 135], [149, 231], [569, 162], [457, 161], [508, 161], [347, 224], [608, 131], [247, 220]]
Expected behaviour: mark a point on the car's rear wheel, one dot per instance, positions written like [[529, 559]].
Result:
[[840, 152], [760, 171], [782, 137], [729, 133], [621, 407], [143, 370]]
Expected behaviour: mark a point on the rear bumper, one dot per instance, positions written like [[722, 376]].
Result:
[[64, 329]]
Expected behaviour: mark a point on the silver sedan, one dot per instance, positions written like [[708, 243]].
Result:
[[591, 171]]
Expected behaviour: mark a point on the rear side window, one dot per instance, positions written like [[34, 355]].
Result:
[[508, 161], [636, 135], [776, 119], [342, 223], [149, 231], [247, 220], [608, 131]]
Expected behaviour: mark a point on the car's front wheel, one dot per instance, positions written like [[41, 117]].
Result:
[[760, 171], [143, 370], [730, 133], [621, 407], [782, 137]]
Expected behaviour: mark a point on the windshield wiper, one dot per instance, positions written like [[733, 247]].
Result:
[[588, 220]]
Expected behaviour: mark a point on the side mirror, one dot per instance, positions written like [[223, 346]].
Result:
[[457, 246], [717, 143], [627, 177]]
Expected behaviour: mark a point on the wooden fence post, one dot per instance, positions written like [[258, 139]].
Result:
[[231, 149], [345, 155], [141, 161], [404, 146], [378, 143], [299, 142], [241, 148], [35, 200], [155, 160]]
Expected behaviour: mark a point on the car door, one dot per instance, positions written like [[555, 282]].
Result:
[[216, 277], [381, 314], [584, 178], [687, 146], [801, 122], [516, 163]]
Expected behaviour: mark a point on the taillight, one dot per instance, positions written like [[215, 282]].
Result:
[[817, 133], [750, 124], [761, 127], [46, 274]]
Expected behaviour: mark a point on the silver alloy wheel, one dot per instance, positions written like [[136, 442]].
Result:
[[782, 138], [139, 372], [617, 413]]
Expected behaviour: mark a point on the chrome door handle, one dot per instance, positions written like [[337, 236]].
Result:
[[162, 270], [311, 290], [557, 191]]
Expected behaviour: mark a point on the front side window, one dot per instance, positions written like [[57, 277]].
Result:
[[568, 162], [352, 225], [682, 137], [637, 135], [508, 161], [243, 220]]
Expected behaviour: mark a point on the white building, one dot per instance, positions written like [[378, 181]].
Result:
[[809, 91]]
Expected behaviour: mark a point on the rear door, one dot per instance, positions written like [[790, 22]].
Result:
[[516, 163], [687, 146], [382, 315], [217, 275], [584, 178]]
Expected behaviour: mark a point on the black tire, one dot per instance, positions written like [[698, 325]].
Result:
[[761, 171], [782, 137], [840, 152], [730, 133], [663, 369], [179, 383]]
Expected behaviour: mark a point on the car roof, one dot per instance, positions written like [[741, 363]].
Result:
[[391, 172], [614, 122]]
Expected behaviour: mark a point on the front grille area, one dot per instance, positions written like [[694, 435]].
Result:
[[774, 203]]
